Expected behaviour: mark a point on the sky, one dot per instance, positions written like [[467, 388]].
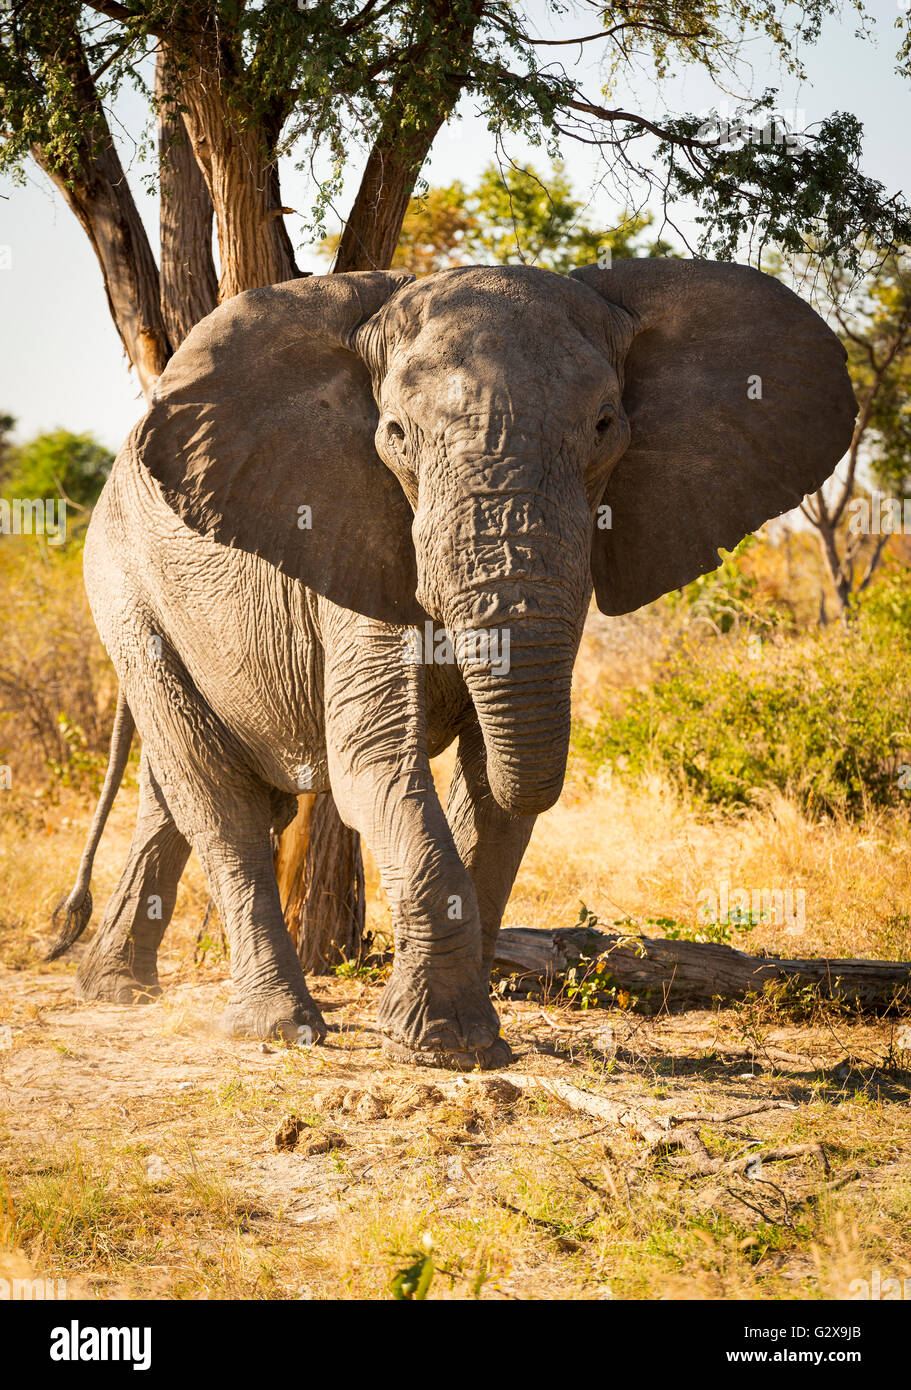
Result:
[[61, 360]]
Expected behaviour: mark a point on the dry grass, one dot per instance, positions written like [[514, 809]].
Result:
[[153, 1191], [643, 852], [637, 851], [57, 687], [137, 1143]]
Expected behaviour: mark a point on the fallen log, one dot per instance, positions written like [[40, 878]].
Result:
[[692, 972]]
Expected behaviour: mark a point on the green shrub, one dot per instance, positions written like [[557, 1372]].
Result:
[[57, 686], [886, 609], [74, 466], [825, 716], [730, 598]]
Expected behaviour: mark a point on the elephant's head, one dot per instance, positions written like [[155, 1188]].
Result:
[[481, 445]]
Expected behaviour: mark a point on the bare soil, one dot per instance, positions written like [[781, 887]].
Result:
[[141, 1154]]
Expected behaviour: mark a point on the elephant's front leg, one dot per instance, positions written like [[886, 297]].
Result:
[[490, 841], [436, 1008]]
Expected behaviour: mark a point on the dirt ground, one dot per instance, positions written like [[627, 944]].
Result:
[[141, 1157], [138, 1152]]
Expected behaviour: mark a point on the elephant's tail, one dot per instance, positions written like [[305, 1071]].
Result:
[[72, 913]]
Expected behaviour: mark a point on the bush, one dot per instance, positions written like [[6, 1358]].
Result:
[[738, 596], [57, 687], [825, 717], [59, 463], [886, 609]]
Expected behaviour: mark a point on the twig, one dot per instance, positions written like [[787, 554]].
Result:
[[656, 1129], [703, 1117], [613, 1112], [550, 1227]]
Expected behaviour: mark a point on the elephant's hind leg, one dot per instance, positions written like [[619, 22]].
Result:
[[121, 964], [227, 813]]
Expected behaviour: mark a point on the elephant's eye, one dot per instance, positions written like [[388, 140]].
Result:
[[605, 421], [395, 434]]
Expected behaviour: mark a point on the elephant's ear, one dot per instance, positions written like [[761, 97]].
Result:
[[739, 403], [261, 436]]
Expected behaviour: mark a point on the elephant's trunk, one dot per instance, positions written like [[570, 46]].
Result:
[[507, 571], [524, 713]]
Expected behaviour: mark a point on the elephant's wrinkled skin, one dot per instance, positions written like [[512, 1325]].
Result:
[[329, 464]]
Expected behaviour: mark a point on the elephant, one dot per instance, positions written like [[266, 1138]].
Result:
[[363, 518]]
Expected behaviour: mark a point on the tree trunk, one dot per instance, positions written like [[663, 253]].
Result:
[[111, 221], [840, 572], [374, 224], [242, 179], [95, 187], [189, 284], [321, 882], [694, 972]]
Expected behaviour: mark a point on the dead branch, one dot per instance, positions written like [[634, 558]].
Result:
[[694, 972]]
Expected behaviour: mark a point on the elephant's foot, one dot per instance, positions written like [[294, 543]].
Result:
[[489, 1059], [115, 979], [436, 1019], [287, 1015]]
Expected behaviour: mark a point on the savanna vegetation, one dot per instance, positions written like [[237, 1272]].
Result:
[[750, 731], [724, 736]]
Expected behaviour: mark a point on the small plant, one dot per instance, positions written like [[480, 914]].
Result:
[[82, 767], [212, 947], [361, 970], [589, 982], [588, 919], [717, 932], [668, 926], [207, 942], [353, 970], [413, 1282]]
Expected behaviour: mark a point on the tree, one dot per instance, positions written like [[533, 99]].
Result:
[[525, 218], [72, 466], [876, 330], [514, 217], [7, 425]]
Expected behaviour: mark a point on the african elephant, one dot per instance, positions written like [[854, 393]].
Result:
[[337, 472]]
